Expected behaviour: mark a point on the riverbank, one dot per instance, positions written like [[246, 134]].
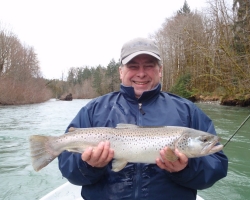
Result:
[[237, 100]]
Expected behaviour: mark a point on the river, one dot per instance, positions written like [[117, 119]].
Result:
[[19, 181]]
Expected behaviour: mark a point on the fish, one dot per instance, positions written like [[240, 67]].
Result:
[[131, 143]]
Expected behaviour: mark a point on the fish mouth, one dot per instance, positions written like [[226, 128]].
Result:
[[212, 147], [216, 148]]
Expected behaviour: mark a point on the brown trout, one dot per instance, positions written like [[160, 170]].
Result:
[[130, 143]]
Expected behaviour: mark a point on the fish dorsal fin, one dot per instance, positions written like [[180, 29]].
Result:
[[126, 126], [71, 129]]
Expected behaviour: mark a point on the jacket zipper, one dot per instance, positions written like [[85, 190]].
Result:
[[140, 109], [137, 180]]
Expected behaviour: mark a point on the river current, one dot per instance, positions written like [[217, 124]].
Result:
[[19, 181]]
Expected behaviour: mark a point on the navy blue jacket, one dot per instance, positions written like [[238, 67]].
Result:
[[136, 180]]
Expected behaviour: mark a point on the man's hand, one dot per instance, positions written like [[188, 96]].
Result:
[[175, 166], [99, 156]]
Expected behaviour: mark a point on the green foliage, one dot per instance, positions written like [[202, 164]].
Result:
[[57, 87], [97, 82], [182, 86], [185, 9], [72, 76], [112, 76]]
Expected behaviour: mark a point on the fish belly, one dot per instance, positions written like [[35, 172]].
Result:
[[145, 151]]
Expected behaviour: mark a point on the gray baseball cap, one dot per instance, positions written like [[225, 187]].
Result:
[[138, 46]]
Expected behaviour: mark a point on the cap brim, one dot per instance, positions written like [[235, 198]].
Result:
[[131, 56]]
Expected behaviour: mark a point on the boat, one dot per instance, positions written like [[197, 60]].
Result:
[[65, 192], [73, 192]]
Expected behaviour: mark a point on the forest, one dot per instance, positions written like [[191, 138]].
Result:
[[205, 56]]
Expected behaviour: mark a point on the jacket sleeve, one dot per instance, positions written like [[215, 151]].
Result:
[[202, 172], [71, 165]]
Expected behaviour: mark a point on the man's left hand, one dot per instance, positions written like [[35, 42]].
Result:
[[175, 166]]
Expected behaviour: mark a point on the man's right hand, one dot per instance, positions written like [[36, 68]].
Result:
[[99, 156]]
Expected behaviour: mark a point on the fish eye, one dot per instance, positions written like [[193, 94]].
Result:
[[204, 139]]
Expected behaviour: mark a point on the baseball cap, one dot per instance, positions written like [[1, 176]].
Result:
[[139, 46]]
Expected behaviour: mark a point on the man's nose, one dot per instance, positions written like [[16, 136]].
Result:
[[141, 71]]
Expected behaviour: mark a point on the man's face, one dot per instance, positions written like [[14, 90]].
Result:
[[142, 73]]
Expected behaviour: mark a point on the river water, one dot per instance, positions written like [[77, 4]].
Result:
[[19, 181]]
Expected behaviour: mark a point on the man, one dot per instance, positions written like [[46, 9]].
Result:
[[141, 102]]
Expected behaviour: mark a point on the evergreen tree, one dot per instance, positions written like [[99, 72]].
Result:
[[86, 73], [97, 82], [71, 76], [82, 74], [112, 76], [185, 9]]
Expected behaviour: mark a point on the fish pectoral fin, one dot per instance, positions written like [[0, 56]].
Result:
[[170, 155], [118, 165]]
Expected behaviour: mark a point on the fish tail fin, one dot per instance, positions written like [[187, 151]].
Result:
[[41, 152]]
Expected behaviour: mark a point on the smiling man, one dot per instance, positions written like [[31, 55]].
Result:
[[140, 101], [141, 67], [143, 73]]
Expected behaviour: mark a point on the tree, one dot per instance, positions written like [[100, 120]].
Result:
[[20, 77], [72, 75], [185, 9], [98, 80], [241, 26], [177, 41], [112, 76], [201, 45], [83, 74], [7, 41]]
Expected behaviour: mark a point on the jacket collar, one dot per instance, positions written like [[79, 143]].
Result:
[[129, 93]]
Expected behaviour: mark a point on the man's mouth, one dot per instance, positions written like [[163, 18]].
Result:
[[140, 83]]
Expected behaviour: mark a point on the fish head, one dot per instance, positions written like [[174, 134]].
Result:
[[194, 143]]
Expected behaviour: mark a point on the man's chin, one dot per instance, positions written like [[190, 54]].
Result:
[[138, 93]]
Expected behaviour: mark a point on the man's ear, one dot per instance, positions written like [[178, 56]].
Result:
[[120, 72], [160, 72]]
